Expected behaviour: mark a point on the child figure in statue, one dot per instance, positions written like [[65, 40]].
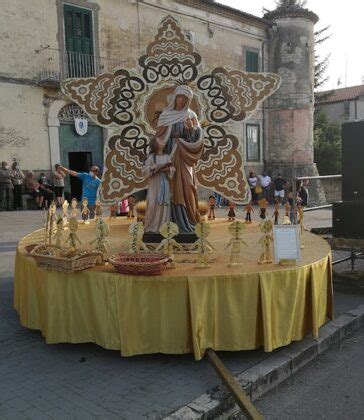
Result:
[[248, 209], [85, 213], [212, 204], [159, 171], [266, 228]]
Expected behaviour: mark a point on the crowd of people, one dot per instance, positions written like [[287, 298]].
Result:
[[13, 183], [277, 190]]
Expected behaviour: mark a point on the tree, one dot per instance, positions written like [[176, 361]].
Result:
[[291, 4], [327, 144]]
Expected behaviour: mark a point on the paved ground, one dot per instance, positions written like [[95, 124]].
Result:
[[85, 381], [330, 387]]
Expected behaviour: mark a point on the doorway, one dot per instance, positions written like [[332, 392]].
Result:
[[79, 162]]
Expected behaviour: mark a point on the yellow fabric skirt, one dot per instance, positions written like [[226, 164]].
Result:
[[184, 310]]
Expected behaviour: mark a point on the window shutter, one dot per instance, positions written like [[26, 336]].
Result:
[[251, 61]]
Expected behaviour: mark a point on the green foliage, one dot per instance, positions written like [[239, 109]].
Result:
[[327, 144], [290, 4]]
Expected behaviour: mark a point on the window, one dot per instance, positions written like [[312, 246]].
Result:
[[78, 41], [252, 143], [251, 61], [346, 110]]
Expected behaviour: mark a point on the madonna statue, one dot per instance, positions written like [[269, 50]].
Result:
[[180, 132]]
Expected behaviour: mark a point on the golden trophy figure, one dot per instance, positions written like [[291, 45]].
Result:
[[169, 230], [266, 228], [203, 246], [85, 212], [98, 209], [73, 238], [65, 215], [58, 236], [102, 232], [74, 210], [236, 242], [302, 227]]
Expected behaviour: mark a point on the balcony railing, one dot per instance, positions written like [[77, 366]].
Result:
[[56, 65]]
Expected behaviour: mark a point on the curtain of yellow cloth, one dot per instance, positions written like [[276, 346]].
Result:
[[139, 315]]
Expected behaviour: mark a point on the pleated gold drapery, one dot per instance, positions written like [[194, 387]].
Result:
[[175, 313]]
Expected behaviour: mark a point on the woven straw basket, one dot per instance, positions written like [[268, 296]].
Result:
[[52, 258], [139, 264]]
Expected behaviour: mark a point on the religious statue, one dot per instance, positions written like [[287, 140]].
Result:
[[179, 130], [159, 171], [236, 242]]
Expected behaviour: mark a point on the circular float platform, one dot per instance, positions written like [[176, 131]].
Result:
[[184, 310]]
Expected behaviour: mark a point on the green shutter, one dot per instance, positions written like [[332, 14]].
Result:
[[251, 61], [78, 30]]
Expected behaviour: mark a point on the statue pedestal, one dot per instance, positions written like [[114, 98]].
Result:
[[181, 238]]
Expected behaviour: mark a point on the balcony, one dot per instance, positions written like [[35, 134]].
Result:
[[56, 65]]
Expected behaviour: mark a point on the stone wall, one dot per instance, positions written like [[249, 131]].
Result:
[[123, 28]]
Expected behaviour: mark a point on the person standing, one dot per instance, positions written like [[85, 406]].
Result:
[[6, 187], [58, 182], [279, 184], [18, 179], [90, 185], [265, 182], [252, 181], [32, 185], [46, 190]]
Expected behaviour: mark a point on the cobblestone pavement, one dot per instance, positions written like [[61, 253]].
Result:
[[67, 381]]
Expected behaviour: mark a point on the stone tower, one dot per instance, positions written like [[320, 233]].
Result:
[[290, 109]]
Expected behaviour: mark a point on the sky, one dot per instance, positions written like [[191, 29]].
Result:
[[346, 20]]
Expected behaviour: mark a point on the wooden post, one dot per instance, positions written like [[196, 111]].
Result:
[[241, 399]]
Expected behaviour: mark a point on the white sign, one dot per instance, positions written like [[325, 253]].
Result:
[[81, 126], [286, 243]]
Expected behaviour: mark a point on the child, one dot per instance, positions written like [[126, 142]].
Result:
[[248, 208]]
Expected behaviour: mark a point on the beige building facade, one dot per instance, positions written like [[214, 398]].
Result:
[[43, 42]]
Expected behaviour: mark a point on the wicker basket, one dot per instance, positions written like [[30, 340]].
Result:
[[139, 264], [52, 258]]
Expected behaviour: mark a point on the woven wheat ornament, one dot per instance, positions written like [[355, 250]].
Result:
[[136, 231], [202, 245], [169, 230], [266, 240], [236, 243]]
